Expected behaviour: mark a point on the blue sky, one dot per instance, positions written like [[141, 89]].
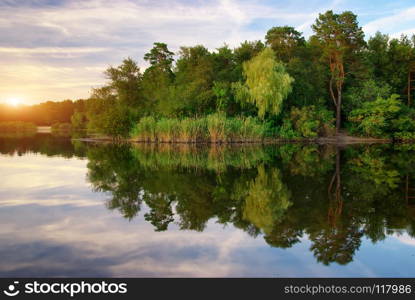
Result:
[[56, 49]]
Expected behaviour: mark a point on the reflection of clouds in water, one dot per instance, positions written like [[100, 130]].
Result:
[[36, 179], [52, 224], [91, 241], [404, 238]]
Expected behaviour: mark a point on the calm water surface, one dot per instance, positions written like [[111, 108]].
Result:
[[69, 208]]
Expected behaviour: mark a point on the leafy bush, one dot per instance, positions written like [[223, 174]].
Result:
[[61, 127], [367, 91], [107, 116], [78, 120], [286, 131], [384, 117], [252, 129], [308, 122]]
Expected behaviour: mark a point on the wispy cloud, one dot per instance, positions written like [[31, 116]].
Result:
[[395, 24]]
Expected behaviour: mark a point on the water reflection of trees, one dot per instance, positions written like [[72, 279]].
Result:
[[45, 144], [334, 197]]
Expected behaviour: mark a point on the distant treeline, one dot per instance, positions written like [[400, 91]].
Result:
[[16, 127], [43, 114]]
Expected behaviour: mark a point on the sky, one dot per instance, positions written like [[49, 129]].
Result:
[[58, 49]]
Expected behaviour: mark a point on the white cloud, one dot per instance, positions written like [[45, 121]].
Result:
[[392, 24], [50, 50]]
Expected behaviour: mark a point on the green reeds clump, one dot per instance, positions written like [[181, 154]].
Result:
[[216, 125], [193, 130], [168, 130], [145, 130], [243, 130], [214, 128]]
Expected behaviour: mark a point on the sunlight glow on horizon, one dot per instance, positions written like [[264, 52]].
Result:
[[13, 102]]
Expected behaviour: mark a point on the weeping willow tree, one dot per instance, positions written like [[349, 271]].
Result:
[[267, 83], [267, 200]]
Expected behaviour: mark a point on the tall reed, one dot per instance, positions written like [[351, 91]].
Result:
[[216, 125], [145, 130], [214, 128]]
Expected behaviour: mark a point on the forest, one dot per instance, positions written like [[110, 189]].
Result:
[[286, 87]]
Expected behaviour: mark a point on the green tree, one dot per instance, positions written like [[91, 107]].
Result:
[[390, 60], [106, 115], [267, 83], [365, 91], [160, 57], [194, 73], [78, 120], [126, 82], [158, 78], [285, 41], [340, 36]]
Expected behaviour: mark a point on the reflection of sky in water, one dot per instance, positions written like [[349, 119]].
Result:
[[52, 224]]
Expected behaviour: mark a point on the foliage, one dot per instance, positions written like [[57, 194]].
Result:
[[341, 38], [112, 109], [389, 60], [158, 78], [78, 121], [312, 121], [107, 116], [125, 80], [368, 90], [285, 41], [383, 117], [43, 114], [61, 127], [287, 131], [267, 83], [267, 200], [194, 80], [17, 126], [307, 121]]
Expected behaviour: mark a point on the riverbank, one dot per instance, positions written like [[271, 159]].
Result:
[[341, 138]]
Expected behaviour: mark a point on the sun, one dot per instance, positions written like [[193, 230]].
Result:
[[13, 101]]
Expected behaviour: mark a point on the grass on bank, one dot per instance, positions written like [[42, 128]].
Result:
[[215, 128]]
